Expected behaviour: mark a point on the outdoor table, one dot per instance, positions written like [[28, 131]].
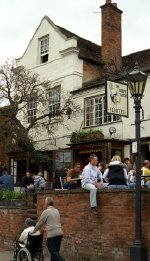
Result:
[[75, 179]]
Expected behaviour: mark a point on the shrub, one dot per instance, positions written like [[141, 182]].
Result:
[[8, 194], [83, 136]]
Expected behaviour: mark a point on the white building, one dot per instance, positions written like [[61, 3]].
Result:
[[73, 64]]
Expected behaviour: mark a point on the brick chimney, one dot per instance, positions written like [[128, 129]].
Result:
[[111, 34]]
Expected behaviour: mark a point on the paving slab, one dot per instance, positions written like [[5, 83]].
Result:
[[6, 255]]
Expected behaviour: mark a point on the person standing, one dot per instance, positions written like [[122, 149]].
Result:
[[90, 176], [50, 218]]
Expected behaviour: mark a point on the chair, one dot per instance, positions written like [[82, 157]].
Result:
[[63, 180], [33, 249]]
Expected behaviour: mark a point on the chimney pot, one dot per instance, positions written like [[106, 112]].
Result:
[[114, 4]]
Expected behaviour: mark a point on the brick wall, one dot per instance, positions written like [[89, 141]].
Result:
[[111, 34], [90, 72], [107, 236], [11, 225]]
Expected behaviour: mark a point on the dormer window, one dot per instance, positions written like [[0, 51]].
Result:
[[44, 49]]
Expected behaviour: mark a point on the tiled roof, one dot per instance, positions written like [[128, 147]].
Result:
[[142, 57], [88, 50], [92, 52]]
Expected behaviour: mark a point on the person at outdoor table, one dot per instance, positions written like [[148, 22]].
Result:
[[116, 174], [6, 180], [128, 164], [102, 167], [132, 177], [146, 172], [90, 176], [27, 183], [73, 174], [39, 184], [39, 181]]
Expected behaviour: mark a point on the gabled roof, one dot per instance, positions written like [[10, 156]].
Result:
[[87, 50], [91, 52], [142, 57], [128, 62]]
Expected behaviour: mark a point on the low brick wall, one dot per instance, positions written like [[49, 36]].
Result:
[[11, 224], [87, 237], [107, 236]]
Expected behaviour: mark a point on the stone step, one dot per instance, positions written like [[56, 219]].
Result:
[[32, 213]]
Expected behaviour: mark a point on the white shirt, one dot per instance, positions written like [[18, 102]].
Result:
[[90, 174], [24, 235]]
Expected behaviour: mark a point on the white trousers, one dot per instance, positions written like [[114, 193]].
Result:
[[93, 192]]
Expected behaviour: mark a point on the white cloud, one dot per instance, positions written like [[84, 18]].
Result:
[[19, 20]]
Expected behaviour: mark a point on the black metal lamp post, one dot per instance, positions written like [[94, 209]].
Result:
[[136, 83]]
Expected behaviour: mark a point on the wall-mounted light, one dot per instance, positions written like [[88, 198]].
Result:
[[112, 130]]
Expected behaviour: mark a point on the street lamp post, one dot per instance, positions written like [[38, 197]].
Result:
[[136, 83]]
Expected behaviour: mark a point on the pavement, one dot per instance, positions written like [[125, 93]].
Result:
[[6, 255]]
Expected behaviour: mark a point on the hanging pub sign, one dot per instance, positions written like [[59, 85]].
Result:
[[117, 98]]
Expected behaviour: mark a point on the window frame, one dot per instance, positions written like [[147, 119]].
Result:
[[105, 117], [55, 105], [32, 111], [44, 52]]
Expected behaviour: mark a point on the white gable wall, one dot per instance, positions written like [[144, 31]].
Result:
[[63, 67]]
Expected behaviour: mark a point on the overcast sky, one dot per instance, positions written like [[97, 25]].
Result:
[[20, 18]]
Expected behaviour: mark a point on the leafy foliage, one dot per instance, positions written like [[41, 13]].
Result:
[[18, 87], [83, 136], [8, 194]]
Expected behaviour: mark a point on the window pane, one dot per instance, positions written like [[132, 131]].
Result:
[[45, 45], [54, 101], [95, 112], [31, 111]]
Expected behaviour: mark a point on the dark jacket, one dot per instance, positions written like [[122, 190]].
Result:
[[7, 181], [116, 175], [26, 182]]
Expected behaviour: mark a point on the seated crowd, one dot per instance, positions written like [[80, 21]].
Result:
[[115, 175], [31, 182]]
